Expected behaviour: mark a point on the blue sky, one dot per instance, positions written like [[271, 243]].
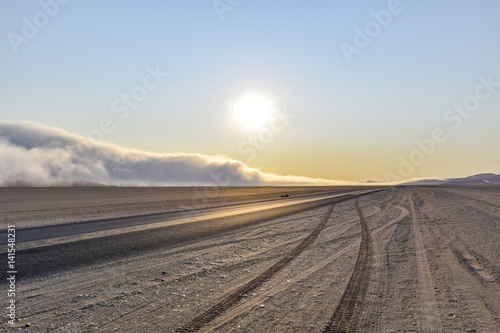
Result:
[[353, 120]]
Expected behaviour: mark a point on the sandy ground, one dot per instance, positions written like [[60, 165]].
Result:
[[39, 206], [404, 260]]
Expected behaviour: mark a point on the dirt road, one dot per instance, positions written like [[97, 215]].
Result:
[[403, 260]]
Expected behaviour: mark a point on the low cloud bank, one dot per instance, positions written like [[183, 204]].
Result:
[[32, 154]]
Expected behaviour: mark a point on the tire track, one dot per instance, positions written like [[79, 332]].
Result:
[[348, 313], [218, 309], [275, 289], [47, 313], [430, 321], [380, 274], [243, 306], [226, 322], [269, 253]]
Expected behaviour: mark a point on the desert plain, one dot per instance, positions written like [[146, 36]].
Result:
[[366, 259]]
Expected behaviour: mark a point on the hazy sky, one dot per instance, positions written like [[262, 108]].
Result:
[[354, 84]]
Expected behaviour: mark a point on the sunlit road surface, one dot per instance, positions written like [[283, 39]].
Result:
[[57, 234], [48, 249]]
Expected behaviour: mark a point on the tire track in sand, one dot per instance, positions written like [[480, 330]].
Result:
[[219, 308], [429, 320], [348, 313], [381, 236]]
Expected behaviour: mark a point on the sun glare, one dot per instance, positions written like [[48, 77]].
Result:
[[253, 111]]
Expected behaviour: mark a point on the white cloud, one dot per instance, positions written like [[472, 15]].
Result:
[[37, 155]]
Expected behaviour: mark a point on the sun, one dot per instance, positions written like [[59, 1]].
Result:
[[253, 111]]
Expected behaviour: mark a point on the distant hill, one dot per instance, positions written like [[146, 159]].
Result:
[[479, 179]]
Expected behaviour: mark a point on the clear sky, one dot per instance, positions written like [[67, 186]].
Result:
[[355, 83]]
